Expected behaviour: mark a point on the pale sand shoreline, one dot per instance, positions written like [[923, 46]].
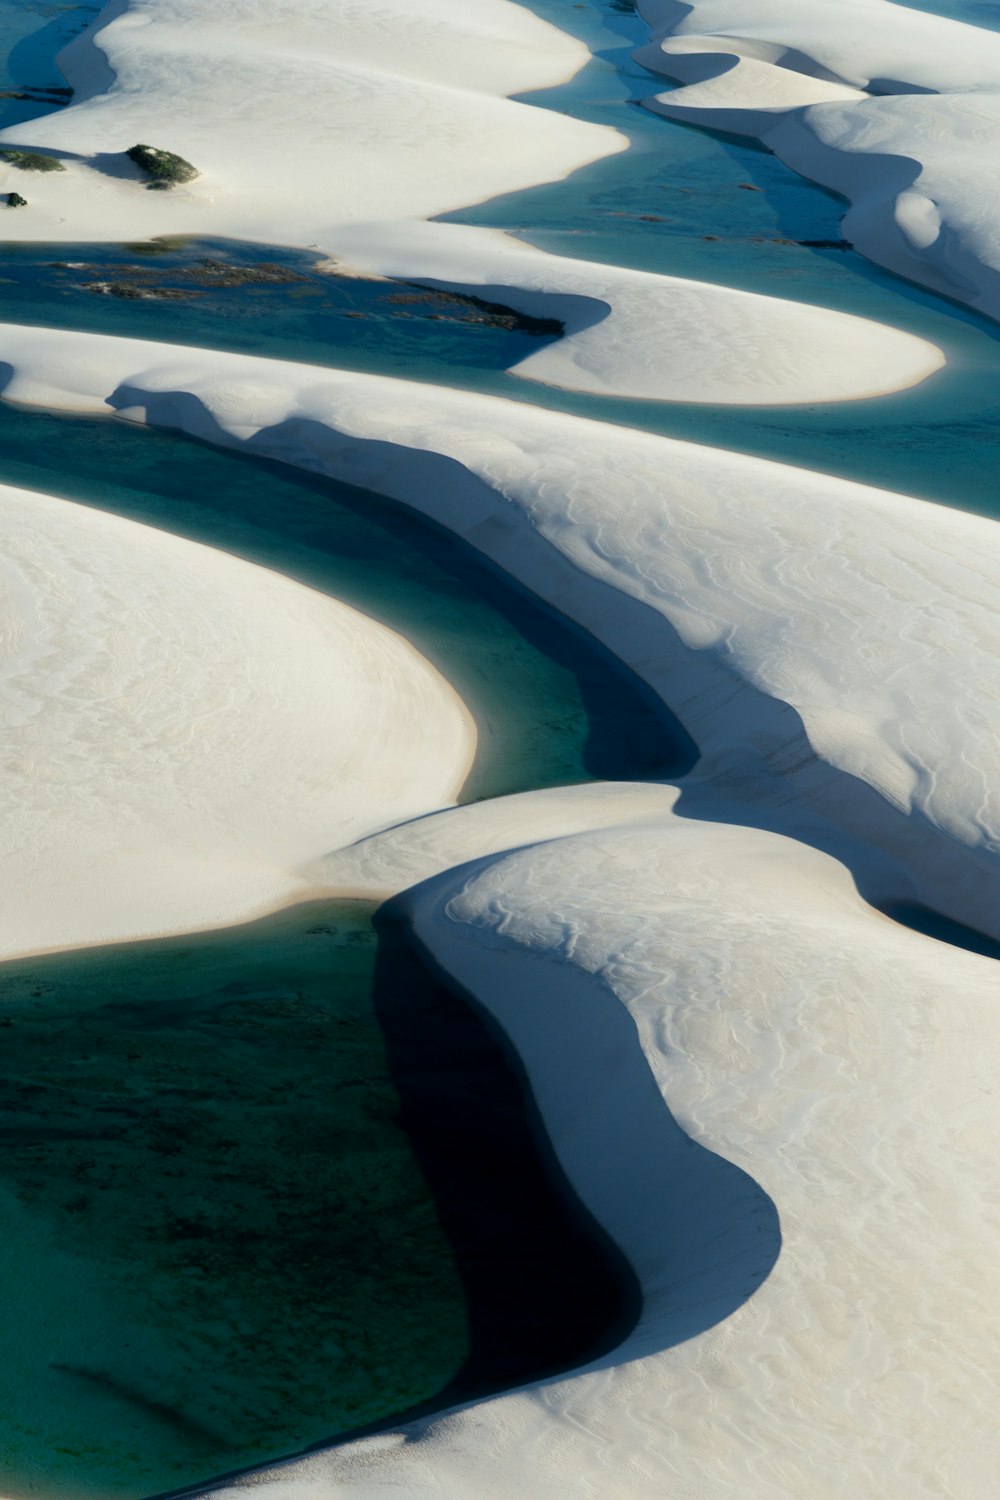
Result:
[[800, 626], [149, 789]]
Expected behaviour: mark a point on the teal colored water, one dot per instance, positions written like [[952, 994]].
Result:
[[551, 707], [972, 12], [31, 33], [222, 1242]]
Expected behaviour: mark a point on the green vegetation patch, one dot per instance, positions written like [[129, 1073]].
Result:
[[31, 161], [163, 167]]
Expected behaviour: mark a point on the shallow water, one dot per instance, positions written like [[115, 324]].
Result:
[[682, 202], [551, 706], [973, 12]]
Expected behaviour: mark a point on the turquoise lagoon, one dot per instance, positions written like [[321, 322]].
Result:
[[245, 1180]]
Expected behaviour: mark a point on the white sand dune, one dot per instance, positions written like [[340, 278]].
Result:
[[834, 650], [389, 862], [182, 729], [897, 110], [662, 338], [300, 117], [342, 129], [844, 1067]]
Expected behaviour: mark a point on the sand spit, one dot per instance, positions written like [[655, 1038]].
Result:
[[896, 110], [154, 785], [661, 338], [805, 629], [341, 129]]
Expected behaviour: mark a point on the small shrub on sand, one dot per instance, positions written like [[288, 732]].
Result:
[[31, 161], [163, 167], [14, 200]]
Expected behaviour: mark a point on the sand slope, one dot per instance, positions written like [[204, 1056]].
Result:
[[181, 729], [844, 1068], [805, 629], [342, 128], [896, 110]]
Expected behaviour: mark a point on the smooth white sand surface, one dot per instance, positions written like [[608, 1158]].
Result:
[[342, 128], [833, 649], [386, 863], [843, 1068], [300, 117], [895, 109], [665, 338], [182, 729]]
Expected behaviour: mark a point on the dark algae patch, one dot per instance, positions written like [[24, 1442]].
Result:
[[263, 1187]]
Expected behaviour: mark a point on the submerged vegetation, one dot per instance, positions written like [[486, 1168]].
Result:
[[163, 167]]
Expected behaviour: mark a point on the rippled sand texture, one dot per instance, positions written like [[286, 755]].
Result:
[[847, 1066], [340, 127], [897, 110], [183, 728], [804, 629]]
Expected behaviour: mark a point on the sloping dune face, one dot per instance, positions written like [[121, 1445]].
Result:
[[804, 628], [897, 110], [846, 1066], [298, 117], [181, 728], [342, 128]]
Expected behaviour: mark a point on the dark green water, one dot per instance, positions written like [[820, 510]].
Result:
[[261, 1188]]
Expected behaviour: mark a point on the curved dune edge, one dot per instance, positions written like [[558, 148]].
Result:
[[844, 1068], [357, 133], [804, 629], [150, 786], [896, 110], [666, 338]]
